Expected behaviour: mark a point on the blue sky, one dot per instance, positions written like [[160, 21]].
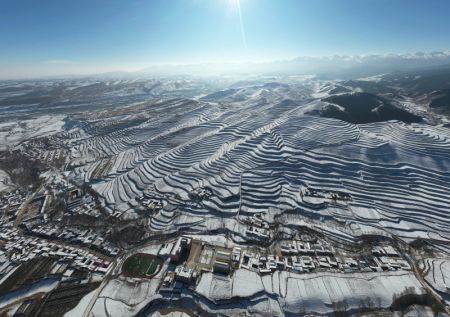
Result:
[[46, 37]]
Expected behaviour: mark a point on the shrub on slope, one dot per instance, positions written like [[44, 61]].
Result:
[[442, 101], [365, 108]]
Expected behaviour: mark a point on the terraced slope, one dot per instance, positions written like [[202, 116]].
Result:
[[260, 154]]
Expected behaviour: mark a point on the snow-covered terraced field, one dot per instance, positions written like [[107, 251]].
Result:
[[437, 274], [300, 294], [258, 154], [276, 294]]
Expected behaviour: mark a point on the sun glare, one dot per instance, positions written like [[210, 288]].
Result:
[[235, 7]]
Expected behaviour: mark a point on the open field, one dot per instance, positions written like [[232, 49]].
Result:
[[142, 265]]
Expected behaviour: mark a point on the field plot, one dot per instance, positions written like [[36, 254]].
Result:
[[142, 265]]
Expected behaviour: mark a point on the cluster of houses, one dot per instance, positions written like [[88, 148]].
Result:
[[334, 195], [10, 202], [6, 266], [296, 256], [147, 202], [21, 249], [293, 256], [202, 193], [79, 204], [301, 256], [45, 239], [49, 156], [387, 258], [37, 148], [86, 237], [320, 198], [174, 250], [258, 228], [151, 204]]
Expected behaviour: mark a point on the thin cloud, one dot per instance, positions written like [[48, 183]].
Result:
[[59, 61]]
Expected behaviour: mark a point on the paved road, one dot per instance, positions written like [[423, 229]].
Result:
[[105, 281], [418, 273]]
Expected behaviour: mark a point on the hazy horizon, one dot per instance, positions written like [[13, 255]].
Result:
[[300, 65], [54, 38]]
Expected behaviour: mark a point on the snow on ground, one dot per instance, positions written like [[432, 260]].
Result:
[[42, 286], [376, 78], [171, 314], [214, 287], [81, 306], [316, 293], [218, 239], [418, 311], [14, 132], [246, 283], [387, 167], [128, 291], [437, 273], [150, 249], [5, 181], [126, 296], [11, 310]]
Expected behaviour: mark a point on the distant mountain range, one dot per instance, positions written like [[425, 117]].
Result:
[[343, 67], [327, 67]]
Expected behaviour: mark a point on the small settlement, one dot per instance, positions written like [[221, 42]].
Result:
[[190, 257]]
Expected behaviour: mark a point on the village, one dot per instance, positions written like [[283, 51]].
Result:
[[28, 235], [187, 258], [57, 233], [22, 249]]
